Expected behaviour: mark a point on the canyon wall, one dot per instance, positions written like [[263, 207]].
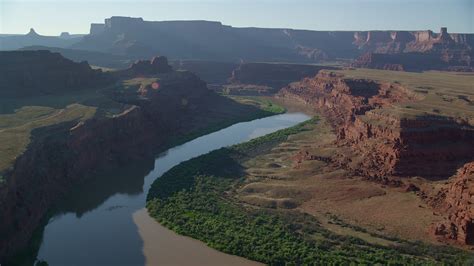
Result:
[[207, 40], [456, 199], [135, 38], [62, 155], [387, 143]]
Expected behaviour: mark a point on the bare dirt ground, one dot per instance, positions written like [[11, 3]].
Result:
[[344, 204]]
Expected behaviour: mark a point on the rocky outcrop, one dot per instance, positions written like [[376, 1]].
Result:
[[456, 200], [33, 73], [380, 144], [210, 71], [417, 51], [157, 65]]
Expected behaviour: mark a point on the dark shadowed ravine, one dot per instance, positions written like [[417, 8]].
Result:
[[104, 222]]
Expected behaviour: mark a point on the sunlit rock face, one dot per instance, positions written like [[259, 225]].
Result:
[[429, 146]]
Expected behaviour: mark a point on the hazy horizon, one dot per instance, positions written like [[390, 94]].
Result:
[[54, 17]]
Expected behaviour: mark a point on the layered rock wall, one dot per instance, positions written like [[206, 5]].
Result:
[[206, 40], [377, 143], [385, 143], [457, 201]]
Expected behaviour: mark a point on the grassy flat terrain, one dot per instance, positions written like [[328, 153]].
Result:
[[20, 116], [250, 200], [15, 129], [446, 94]]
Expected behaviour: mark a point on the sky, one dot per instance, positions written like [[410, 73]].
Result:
[[51, 17]]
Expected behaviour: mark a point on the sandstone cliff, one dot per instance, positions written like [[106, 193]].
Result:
[[457, 199], [417, 51], [383, 143], [207, 40]]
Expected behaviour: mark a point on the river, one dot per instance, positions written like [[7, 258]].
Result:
[[104, 222]]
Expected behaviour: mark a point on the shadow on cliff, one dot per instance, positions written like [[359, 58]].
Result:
[[436, 147], [89, 195]]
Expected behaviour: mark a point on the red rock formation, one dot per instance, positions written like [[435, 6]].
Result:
[[381, 144], [456, 200], [417, 51], [383, 147]]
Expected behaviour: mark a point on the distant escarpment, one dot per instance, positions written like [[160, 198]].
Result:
[[414, 61], [41, 72], [420, 51], [275, 76], [207, 40], [265, 78], [94, 58], [158, 107], [379, 140], [17, 41]]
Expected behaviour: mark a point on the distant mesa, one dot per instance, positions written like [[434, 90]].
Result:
[[134, 38], [65, 35], [32, 32], [207, 40], [16, 41], [427, 51]]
